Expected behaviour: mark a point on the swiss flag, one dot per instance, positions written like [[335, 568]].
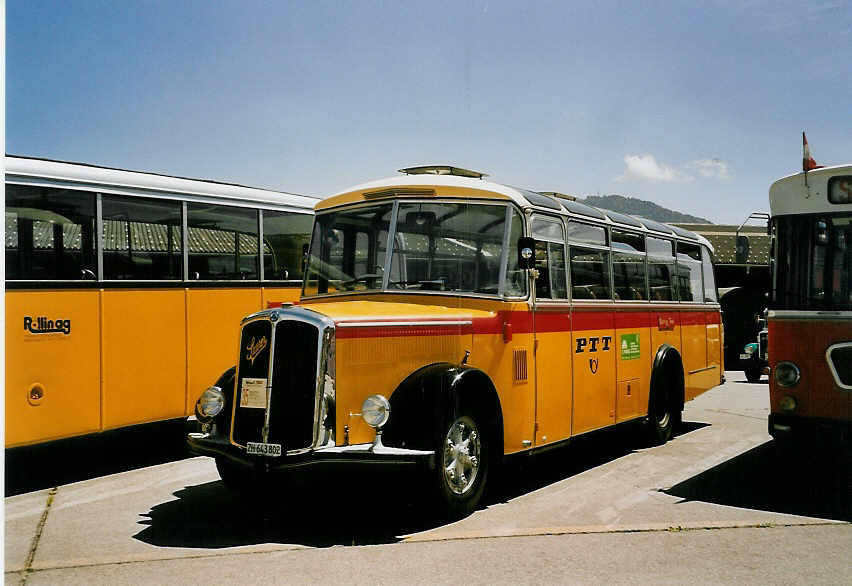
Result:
[[808, 163]]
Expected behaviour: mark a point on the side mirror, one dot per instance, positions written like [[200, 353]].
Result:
[[742, 249], [526, 252]]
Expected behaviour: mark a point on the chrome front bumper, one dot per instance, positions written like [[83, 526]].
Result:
[[205, 444]]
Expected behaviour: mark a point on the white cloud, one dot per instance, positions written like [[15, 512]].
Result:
[[710, 168], [646, 167]]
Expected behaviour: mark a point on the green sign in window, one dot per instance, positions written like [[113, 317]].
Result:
[[629, 346]]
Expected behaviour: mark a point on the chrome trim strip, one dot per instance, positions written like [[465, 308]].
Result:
[[268, 412], [696, 371], [373, 448], [831, 367], [504, 256], [99, 236], [391, 324], [783, 314], [390, 246]]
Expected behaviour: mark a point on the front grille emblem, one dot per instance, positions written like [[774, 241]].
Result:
[[254, 349]]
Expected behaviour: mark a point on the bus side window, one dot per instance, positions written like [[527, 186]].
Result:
[[49, 233], [285, 234], [223, 242], [142, 238], [661, 267], [710, 293], [549, 258], [628, 265], [589, 273], [689, 272]]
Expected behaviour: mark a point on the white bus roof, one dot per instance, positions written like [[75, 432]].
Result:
[[34, 171], [790, 195], [524, 198]]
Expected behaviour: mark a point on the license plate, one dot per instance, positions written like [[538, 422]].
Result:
[[259, 449], [745, 356]]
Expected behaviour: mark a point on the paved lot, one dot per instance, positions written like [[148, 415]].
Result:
[[719, 503]]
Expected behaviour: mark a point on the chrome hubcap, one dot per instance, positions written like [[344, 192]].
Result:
[[461, 455]]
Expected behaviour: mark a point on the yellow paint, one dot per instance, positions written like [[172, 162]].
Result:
[[440, 191], [133, 355], [594, 383], [553, 362], [66, 366], [143, 357]]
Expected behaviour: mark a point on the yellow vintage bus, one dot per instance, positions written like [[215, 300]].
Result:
[[449, 321], [123, 290]]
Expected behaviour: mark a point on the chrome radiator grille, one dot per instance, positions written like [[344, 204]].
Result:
[[290, 382]]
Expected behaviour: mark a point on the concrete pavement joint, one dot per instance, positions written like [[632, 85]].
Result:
[[37, 536], [537, 532], [603, 529]]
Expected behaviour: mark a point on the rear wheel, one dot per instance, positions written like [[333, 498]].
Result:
[[664, 412], [462, 463]]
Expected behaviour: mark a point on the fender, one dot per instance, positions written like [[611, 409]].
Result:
[[665, 354], [432, 393]]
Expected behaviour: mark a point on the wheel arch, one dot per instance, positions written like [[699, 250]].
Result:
[[667, 361], [434, 392]]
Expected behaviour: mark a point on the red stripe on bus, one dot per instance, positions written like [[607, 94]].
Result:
[[521, 322]]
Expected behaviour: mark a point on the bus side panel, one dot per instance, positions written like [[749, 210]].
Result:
[[693, 333], [144, 355], [553, 376], [213, 318], [714, 348], [633, 359], [63, 365], [276, 295], [594, 351]]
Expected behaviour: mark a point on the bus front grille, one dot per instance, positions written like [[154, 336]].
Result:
[[292, 389]]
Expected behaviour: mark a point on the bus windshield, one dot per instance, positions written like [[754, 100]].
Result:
[[813, 262], [437, 246]]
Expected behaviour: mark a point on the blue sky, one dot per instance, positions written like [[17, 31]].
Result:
[[697, 106]]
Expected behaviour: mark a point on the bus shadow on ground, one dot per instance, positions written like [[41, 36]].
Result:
[[352, 506], [780, 479], [61, 462]]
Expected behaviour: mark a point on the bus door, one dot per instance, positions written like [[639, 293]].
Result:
[[552, 326], [593, 333]]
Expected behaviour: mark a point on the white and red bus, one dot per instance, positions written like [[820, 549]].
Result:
[[810, 317]]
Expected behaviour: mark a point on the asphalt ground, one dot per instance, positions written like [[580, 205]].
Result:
[[720, 503]]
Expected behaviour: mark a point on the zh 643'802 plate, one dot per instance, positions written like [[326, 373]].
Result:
[[259, 449]]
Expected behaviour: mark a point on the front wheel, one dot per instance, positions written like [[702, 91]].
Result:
[[753, 370], [462, 462]]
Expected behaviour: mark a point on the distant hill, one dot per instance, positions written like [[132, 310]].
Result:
[[640, 207]]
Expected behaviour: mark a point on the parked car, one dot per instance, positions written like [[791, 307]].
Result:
[[755, 355]]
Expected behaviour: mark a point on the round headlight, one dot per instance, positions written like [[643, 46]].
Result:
[[375, 410], [210, 404], [788, 403], [787, 374]]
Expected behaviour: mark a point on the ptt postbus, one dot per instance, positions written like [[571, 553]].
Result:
[[447, 321], [810, 315], [123, 288]]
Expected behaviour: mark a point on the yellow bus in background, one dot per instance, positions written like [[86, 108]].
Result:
[[123, 290], [448, 321]]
